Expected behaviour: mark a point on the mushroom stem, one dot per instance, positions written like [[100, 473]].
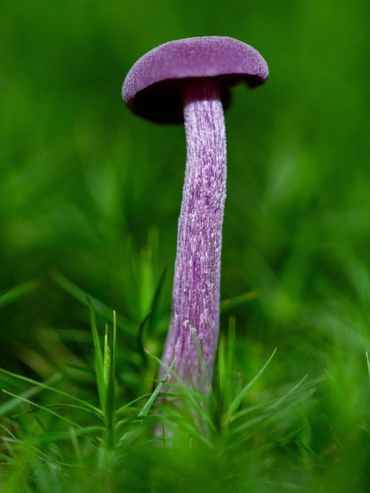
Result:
[[193, 335]]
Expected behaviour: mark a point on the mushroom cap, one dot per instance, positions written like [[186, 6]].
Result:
[[152, 88]]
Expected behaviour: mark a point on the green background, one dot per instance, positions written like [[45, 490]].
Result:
[[91, 192]]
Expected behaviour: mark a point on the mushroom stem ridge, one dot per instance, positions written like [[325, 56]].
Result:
[[193, 335]]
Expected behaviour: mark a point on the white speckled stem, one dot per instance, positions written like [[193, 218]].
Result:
[[192, 339]]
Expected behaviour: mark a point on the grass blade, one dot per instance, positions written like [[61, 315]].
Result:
[[239, 398], [231, 303], [11, 404], [58, 436], [17, 292], [110, 380], [148, 405], [45, 386], [100, 307], [42, 408], [197, 400], [99, 362], [151, 318]]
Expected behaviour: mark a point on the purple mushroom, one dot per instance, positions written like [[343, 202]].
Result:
[[189, 80]]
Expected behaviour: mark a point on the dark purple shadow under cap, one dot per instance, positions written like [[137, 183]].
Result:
[[153, 86]]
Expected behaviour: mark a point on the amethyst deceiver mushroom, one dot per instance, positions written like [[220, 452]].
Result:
[[189, 80]]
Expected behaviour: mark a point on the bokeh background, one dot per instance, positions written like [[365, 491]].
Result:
[[90, 194]]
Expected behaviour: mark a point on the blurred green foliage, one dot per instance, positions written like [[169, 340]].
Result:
[[90, 195]]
